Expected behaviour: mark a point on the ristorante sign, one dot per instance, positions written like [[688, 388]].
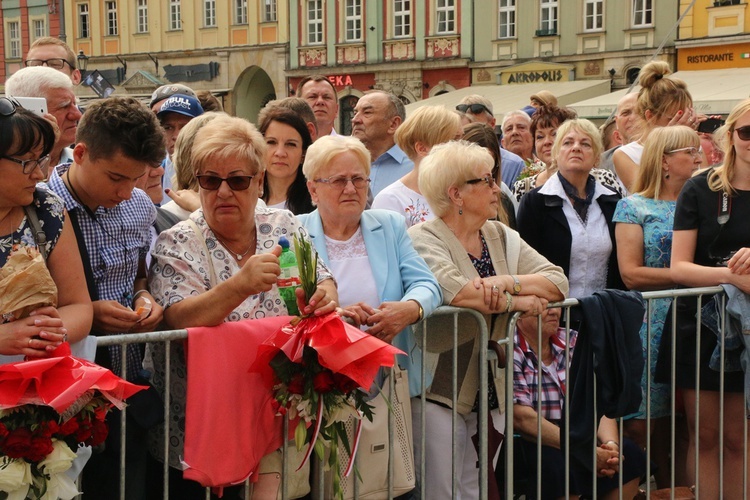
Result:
[[714, 57]]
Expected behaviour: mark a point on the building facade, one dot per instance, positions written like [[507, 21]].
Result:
[[421, 49], [714, 35]]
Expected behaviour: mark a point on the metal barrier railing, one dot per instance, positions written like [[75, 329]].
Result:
[[451, 314]]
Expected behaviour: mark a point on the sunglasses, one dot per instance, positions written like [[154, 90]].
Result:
[[743, 132], [8, 106], [56, 63], [489, 180], [474, 109], [235, 183], [28, 166]]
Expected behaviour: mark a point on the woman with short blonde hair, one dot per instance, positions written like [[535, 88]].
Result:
[[422, 130]]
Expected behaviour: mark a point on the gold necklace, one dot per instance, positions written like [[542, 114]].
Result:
[[238, 256]]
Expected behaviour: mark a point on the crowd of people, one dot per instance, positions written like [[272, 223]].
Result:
[[168, 216]]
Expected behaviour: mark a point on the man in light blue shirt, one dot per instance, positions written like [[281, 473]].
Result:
[[377, 115]]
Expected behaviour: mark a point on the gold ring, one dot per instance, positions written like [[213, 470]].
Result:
[[30, 339]]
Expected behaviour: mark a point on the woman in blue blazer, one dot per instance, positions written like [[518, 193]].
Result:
[[384, 285]]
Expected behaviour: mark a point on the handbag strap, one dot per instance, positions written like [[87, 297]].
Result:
[[199, 234], [40, 237], [512, 249]]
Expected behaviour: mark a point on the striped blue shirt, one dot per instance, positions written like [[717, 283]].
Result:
[[116, 238]]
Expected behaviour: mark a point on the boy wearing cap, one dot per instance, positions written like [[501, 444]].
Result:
[[165, 92], [174, 114]]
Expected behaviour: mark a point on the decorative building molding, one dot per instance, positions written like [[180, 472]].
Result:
[[312, 57], [350, 54], [400, 50], [443, 47]]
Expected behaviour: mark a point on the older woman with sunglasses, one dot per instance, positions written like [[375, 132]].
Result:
[[384, 285], [25, 144], [480, 264], [222, 263], [711, 246]]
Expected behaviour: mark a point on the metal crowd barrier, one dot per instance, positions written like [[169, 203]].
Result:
[[451, 315]]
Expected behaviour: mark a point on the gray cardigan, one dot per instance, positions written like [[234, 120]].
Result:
[[450, 263]]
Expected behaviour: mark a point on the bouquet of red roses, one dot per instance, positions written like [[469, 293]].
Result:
[[48, 408], [319, 366]]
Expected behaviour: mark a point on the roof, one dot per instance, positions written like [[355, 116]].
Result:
[[507, 98], [715, 92]]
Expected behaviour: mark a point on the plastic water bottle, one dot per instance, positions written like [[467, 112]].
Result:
[[288, 280]]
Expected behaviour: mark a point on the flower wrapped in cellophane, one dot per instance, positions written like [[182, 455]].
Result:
[[321, 371], [48, 408]]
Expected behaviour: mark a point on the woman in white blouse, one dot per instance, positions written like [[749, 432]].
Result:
[[383, 284], [569, 218]]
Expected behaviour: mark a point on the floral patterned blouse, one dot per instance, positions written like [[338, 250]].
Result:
[[50, 212], [180, 269], [604, 177]]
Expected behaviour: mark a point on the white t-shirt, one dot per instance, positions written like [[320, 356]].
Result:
[[399, 198]]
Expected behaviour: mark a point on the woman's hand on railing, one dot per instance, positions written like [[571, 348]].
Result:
[[740, 262], [529, 305]]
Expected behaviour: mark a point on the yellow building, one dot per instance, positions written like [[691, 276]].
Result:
[[235, 48], [714, 35]]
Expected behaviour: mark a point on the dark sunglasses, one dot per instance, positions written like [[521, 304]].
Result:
[[8, 106], [743, 132], [56, 63], [489, 180], [474, 109], [235, 183]]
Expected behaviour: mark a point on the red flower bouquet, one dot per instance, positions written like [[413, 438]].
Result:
[[48, 408], [319, 367]]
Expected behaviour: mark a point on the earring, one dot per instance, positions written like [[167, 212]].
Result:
[[460, 211], [667, 176]]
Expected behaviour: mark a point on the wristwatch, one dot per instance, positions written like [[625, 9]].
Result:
[[516, 285]]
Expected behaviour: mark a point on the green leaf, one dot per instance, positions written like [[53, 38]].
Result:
[[300, 434]]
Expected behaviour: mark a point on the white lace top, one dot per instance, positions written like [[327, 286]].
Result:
[[351, 268]]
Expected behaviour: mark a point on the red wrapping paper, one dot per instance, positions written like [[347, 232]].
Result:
[[59, 381], [341, 347]]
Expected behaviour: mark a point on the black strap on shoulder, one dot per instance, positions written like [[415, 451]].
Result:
[[40, 237], [725, 209], [90, 283]]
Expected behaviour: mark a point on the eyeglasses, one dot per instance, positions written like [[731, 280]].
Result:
[[340, 183], [488, 179], [8, 106], [693, 151], [56, 63], [235, 182], [28, 166], [474, 109], [743, 132]]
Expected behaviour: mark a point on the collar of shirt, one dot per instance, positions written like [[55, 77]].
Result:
[[395, 153], [554, 187]]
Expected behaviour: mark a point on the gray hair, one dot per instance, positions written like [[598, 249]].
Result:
[[36, 81], [518, 112]]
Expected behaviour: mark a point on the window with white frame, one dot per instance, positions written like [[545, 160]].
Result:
[[643, 12], [353, 19], [507, 19], [269, 11], [209, 13], [314, 21], [39, 27], [141, 16], [83, 21], [240, 11], [593, 15], [548, 16], [401, 18], [14, 39], [446, 16], [111, 9], [175, 15]]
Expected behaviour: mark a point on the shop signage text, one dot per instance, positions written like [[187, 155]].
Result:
[[555, 75]]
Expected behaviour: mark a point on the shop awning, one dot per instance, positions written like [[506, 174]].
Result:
[[507, 98], [715, 92]]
